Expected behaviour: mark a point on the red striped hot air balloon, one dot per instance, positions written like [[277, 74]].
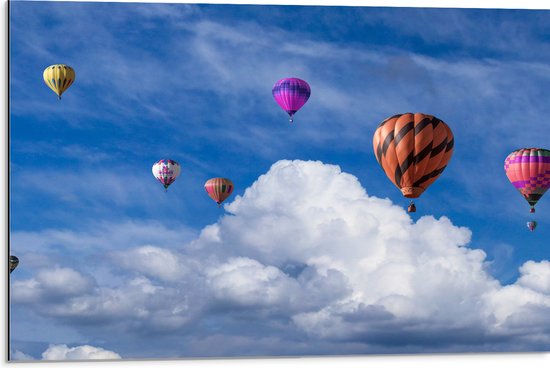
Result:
[[219, 189], [413, 150]]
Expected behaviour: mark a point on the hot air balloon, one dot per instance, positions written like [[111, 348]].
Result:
[[532, 225], [528, 169], [219, 189], [291, 94], [166, 171], [59, 77], [413, 150], [14, 261]]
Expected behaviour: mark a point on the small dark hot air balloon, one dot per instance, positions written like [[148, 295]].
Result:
[[413, 150], [532, 225], [219, 189], [291, 94], [14, 261]]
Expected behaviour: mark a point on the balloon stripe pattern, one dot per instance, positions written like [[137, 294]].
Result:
[[291, 94], [528, 169], [219, 189], [413, 150], [59, 77], [166, 171]]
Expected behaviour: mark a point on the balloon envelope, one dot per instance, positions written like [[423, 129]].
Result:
[[528, 169], [413, 150], [219, 189], [166, 171], [291, 94], [59, 77], [14, 261], [532, 225]]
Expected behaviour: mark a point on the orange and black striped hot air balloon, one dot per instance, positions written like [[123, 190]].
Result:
[[413, 150]]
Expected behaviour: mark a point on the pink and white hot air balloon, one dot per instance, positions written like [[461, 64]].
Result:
[[291, 94], [166, 172]]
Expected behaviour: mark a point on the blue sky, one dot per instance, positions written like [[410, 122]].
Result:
[[108, 259]]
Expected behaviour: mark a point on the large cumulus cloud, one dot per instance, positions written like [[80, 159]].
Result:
[[306, 256]]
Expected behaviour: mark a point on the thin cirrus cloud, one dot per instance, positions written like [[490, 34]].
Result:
[[501, 32], [219, 46], [322, 265]]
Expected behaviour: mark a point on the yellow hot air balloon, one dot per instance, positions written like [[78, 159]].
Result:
[[59, 77]]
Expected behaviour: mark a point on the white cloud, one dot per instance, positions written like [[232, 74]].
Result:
[[84, 352], [153, 261], [399, 272], [535, 276], [56, 284], [19, 355], [247, 282], [65, 280], [305, 251], [99, 236]]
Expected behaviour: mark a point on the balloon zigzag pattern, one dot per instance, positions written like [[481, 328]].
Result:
[[413, 150]]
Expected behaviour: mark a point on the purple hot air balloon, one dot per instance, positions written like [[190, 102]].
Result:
[[291, 94]]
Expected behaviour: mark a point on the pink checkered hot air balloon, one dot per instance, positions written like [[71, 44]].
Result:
[[291, 94], [219, 189], [166, 172], [529, 171]]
